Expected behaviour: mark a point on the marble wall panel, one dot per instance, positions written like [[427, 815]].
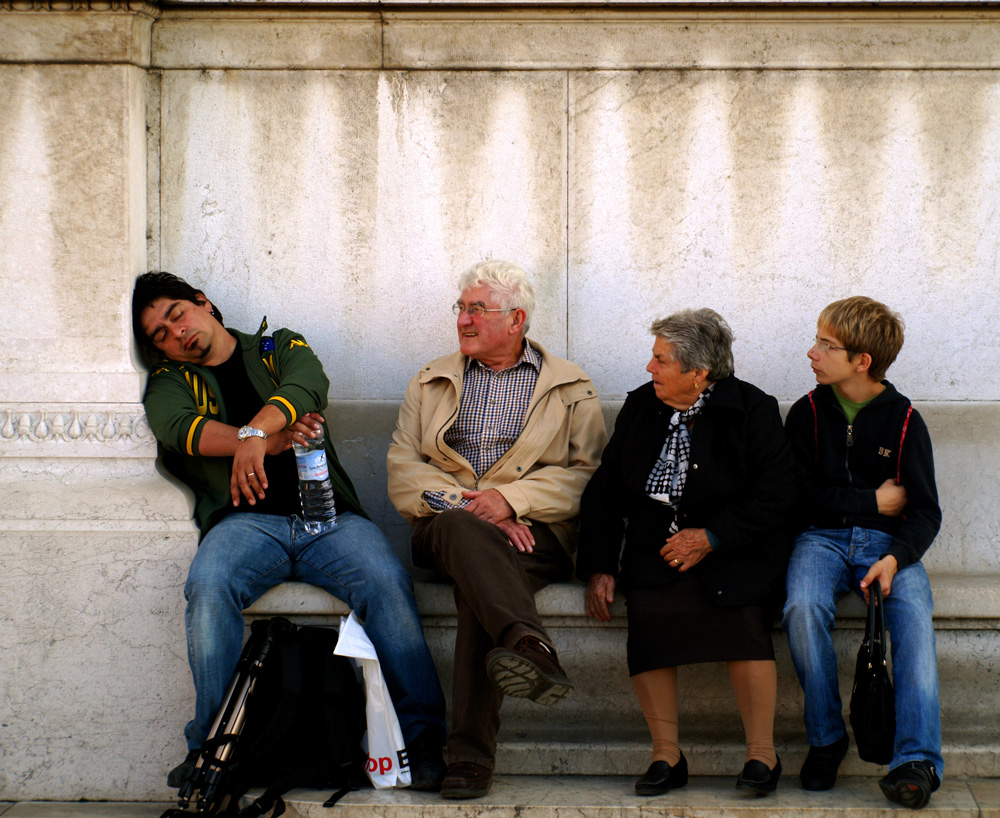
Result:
[[766, 195], [688, 38], [40, 33], [72, 227], [95, 690], [346, 204], [234, 38]]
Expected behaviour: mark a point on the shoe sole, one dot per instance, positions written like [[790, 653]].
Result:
[[458, 792], [647, 790], [516, 676], [760, 789], [813, 788], [910, 796]]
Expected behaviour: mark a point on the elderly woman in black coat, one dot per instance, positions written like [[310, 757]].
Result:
[[699, 468]]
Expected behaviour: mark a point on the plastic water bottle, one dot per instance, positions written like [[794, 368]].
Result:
[[315, 488]]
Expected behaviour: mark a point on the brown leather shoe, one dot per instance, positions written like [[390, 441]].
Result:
[[466, 779], [530, 670]]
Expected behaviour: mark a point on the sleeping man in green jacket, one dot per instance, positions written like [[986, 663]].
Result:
[[226, 407]]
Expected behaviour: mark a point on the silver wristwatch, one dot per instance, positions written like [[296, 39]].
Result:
[[250, 431]]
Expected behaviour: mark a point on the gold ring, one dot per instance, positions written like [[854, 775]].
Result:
[[251, 474]]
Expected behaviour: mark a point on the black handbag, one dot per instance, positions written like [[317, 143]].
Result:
[[873, 703]]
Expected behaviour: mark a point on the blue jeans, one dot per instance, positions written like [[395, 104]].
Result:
[[246, 554], [825, 565]]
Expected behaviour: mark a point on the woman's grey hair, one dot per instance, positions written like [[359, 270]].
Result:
[[509, 283], [701, 339]]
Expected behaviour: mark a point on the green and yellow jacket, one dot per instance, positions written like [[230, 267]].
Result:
[[180, 397]]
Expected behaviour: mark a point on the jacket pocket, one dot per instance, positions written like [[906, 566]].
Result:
[[576, 392]]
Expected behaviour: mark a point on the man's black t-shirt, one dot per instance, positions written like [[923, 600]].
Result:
[[242, 404]]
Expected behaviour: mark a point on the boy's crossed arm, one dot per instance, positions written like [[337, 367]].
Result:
[[891, 499]]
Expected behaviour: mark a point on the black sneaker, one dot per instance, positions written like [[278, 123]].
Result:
[[819, 772], [427, 767], [911, 784], [182, 772]]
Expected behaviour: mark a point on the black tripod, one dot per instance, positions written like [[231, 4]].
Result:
[[206, 786]]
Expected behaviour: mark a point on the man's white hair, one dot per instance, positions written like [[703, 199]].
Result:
[[508, 282]]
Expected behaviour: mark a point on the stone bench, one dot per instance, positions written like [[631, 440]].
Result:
[[600, 730]]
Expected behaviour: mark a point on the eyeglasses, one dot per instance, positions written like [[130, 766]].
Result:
[[826, 346], [475, 310]]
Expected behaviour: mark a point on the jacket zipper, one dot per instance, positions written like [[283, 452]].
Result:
[[847, 458]]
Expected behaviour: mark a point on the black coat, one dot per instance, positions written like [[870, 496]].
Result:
[[740, 486]]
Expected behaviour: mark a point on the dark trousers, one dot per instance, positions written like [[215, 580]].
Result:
[[495, 587]]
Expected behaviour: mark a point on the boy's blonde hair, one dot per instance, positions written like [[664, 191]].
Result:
[[863, 324]]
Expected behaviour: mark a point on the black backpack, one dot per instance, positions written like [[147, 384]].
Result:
[[293, 716]]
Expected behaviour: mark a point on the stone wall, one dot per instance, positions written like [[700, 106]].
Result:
[[335, 166]]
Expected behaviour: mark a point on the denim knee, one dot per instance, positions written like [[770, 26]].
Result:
[[205, 582], [807, 602]]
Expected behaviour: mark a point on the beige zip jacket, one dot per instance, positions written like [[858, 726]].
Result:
[[542, 475]]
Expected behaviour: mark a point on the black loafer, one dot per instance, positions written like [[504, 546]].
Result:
[[661, 777], [819, 772], [757, 777]]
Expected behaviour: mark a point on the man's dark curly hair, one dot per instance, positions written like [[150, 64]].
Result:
[[153, 285]]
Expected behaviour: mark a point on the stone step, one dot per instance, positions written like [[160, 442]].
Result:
[[600, 730], [613, 797], [709, 755]]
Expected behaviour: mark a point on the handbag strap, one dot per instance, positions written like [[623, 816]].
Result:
[[875, 630]]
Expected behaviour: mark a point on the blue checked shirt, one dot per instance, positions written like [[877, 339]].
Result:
[[490, 415]]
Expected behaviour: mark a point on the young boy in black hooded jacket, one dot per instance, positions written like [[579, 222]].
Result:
[[869, 510]]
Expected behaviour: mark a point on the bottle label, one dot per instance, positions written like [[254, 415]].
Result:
[[312, 466]]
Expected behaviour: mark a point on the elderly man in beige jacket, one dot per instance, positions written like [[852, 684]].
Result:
[[493, 448]]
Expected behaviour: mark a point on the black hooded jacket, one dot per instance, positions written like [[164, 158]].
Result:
[[839, 467]]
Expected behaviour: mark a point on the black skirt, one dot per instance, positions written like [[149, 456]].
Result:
[[679, 624]]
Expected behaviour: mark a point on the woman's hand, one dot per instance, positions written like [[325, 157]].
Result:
[[599, 595], [686, 548]]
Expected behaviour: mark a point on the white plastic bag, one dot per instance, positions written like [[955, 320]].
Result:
[[387, 765]]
